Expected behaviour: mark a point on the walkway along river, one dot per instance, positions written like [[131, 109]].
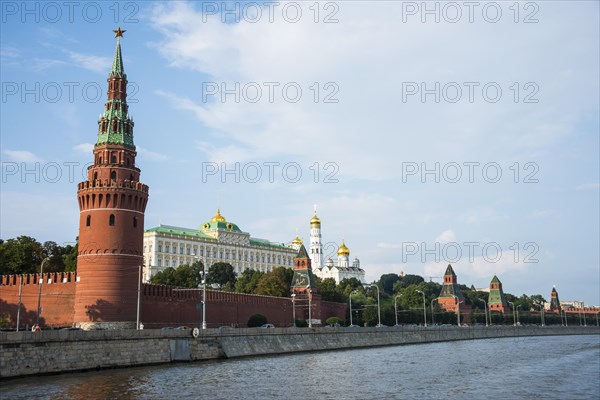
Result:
[[34, 353]]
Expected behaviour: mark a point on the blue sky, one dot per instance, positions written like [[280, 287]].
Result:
[[515, 98]]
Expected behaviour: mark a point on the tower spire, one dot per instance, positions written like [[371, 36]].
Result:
[[115, 125]]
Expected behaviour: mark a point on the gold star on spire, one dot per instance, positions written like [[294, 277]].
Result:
[[119, 32]]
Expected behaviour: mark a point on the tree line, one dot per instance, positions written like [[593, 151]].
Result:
[[24, 255]]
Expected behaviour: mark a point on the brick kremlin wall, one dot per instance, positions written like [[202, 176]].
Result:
[[57, 300], [160, 306]]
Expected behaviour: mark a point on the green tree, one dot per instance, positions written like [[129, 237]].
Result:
[[328, 290], [70, 257], [168, 276], [256, 320], [220, 273], [22, 255], [387, 281], [272, 284], [248, 281]]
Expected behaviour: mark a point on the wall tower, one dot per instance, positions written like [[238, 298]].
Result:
[[112, 202]]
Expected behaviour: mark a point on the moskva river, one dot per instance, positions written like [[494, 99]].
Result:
[[558, 367]]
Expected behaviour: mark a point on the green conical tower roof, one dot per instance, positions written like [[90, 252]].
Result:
[[117, 65], [495, 279], [115, 126], [449, 271], [302, 253]]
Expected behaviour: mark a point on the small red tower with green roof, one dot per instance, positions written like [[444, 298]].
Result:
[[554, 301], [450, 293], [496, 299], [304, 288], [112, 202]]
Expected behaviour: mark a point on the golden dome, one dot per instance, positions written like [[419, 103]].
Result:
[[315, 221], [218, 217], [343, 251], [297, 240]]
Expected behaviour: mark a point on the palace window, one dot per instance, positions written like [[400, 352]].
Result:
[[160, 248], [166, 248], [160, 262], [201, 252], [111, 220], [174, 249], [188, 251], [180, 249], [173, 263]]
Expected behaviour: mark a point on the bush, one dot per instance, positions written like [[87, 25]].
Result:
[[300, 323], [256, 320], [332, 320]]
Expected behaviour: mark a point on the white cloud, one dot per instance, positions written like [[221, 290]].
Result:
[[90, 62], [589, 186], [446, 236], [86, 148], [151, 155], [22, 156]]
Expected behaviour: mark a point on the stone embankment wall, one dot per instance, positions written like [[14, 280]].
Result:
[[33, 353]]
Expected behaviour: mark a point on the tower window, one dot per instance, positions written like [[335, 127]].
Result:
[[95, 175], [135, 222], [111, 220], [113, 159], [88, 220], [113, 175], [128, 162]]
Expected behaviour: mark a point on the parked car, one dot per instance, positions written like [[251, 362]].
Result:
[[267, 326]]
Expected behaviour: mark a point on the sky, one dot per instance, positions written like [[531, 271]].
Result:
[[425, 133]]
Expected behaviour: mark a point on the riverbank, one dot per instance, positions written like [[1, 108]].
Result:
[[48, 352]]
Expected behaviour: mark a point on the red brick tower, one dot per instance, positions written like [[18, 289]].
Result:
[[111, 222], [450, 293], [496, 299], [554, 301], [304, 288]]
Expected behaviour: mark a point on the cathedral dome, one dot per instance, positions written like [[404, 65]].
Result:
[[297, 240], [343, 251]]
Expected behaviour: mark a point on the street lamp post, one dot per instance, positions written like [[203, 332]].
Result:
[[139, 290], [294, 308], [514, 316], [350, 302], [457, 309], [424, 308], [566, 320], [485, 312], [518, 322], [309, 308], [203, 283], [396, 307], [542, 313], [432, 314], [597, 319], [41, 281], [378, 306]]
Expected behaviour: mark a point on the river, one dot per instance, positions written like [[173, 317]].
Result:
[[554, 367]]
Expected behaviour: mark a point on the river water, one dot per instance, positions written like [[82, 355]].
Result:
[[554, 367]]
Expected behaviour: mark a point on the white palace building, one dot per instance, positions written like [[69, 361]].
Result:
[[219, 240]]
